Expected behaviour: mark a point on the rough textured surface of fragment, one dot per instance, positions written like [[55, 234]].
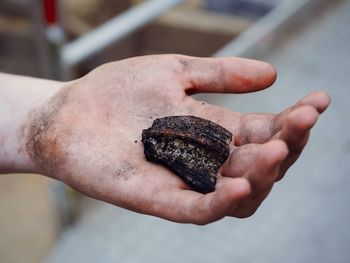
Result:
[[191, 147]]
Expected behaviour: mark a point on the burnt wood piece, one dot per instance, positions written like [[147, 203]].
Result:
[[191, 147]]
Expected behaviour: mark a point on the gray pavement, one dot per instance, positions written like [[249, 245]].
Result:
[[306, 217]]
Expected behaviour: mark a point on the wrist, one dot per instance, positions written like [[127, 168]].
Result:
[[19, 98]]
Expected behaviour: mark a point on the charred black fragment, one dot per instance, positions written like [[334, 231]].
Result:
[[192, 147]]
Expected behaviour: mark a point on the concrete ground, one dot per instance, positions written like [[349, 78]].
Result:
[[306, 217]]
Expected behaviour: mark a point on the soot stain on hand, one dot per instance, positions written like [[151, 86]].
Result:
[[45, 139], [125, 171]]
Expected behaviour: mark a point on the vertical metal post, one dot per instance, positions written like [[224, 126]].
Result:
[[36, 12], [54, 34], [49, 35]]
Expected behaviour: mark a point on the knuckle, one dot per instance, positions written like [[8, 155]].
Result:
[[244, 215], [180, 62], [175, 64], [201, 221]]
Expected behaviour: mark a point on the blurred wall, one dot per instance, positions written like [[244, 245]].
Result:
[[28, 220]]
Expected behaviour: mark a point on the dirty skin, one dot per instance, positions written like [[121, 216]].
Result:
[[54, 141], [45, 145]]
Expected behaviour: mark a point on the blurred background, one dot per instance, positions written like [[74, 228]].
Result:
[[306, 217]]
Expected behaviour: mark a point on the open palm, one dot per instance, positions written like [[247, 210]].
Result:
[[96, 124]]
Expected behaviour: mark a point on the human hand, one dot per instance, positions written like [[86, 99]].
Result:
[[88, 135]]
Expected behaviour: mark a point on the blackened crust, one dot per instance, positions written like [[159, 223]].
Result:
[[191, 147]]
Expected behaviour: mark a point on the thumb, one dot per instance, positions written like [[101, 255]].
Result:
[[227, 75]]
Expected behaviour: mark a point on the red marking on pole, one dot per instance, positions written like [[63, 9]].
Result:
[[50, 11]]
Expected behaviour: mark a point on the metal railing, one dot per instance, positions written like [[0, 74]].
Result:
[[286, 17], [257, 38], [111, 32]]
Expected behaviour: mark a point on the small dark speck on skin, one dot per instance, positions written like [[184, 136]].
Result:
[[184, 63], [135, 141], [203, 103], [124, 171]]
